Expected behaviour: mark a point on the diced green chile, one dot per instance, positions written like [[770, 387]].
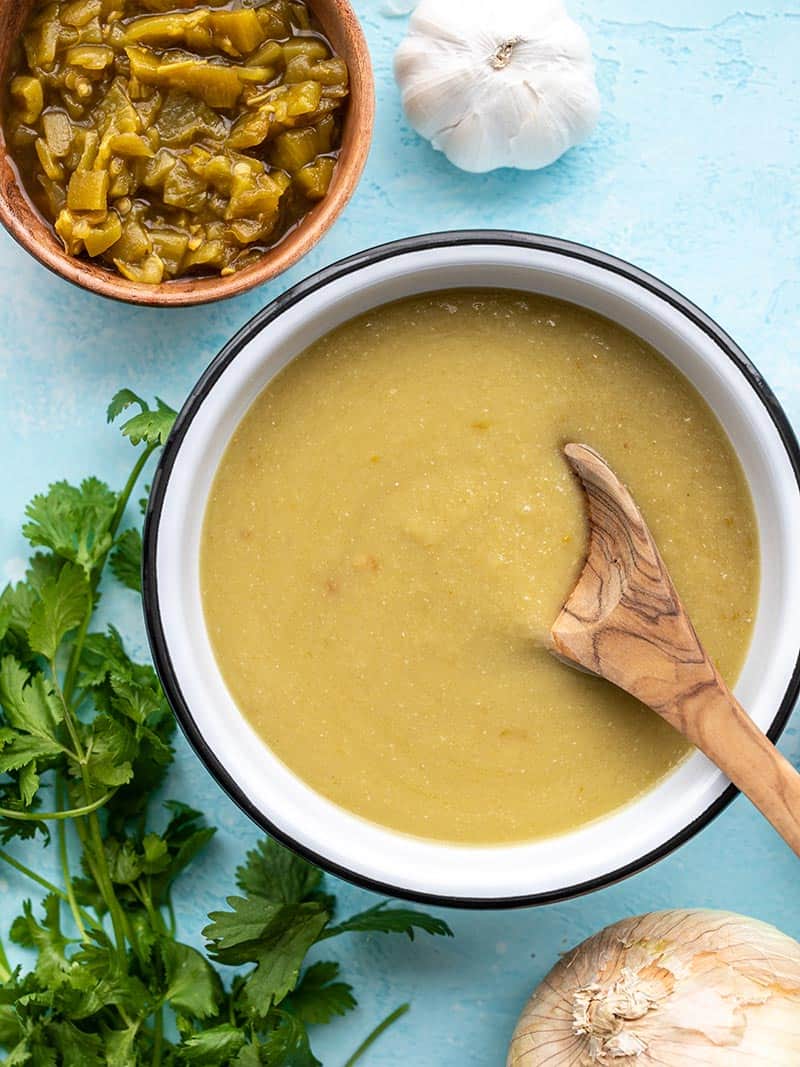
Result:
[[167, 138]]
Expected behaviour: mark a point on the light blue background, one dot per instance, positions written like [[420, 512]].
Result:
[[692, 174]]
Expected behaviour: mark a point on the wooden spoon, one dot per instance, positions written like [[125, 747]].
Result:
[[625, 622]]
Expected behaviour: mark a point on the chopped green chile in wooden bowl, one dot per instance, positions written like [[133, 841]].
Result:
[[171, 139]]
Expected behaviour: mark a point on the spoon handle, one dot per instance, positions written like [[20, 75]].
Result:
[[711, 717]]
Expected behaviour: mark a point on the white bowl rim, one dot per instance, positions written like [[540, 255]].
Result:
[[157, 636]]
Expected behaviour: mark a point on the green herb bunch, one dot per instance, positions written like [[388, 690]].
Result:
[[87, 728]]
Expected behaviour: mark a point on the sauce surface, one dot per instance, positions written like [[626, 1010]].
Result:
[[393, 529]]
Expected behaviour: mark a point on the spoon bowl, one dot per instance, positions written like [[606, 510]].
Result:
[[625, 622]]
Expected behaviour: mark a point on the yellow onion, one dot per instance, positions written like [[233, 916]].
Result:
[[668, 989]]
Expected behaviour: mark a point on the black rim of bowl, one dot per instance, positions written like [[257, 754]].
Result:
[[153, 621]]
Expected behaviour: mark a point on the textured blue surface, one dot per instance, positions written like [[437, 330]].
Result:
[[692, 174]]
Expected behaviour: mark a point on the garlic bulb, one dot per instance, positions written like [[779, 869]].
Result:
[[508, 83], [671, 988]]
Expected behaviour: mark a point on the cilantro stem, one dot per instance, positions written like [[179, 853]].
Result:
[[129, 486], [154, 915], [77, 648], [56, 816], [95, 850], [93, 846], [100, 864], [69, 718], [15, 863], [5, 966], [105, 885], [145, 898], [376, 1033], [61, 832], [34, 877], [158, 1037], [173, 922]]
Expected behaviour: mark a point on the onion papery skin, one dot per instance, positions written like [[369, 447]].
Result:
[[691, 988]]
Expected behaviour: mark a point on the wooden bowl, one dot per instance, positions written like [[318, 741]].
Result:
[[35, 234]]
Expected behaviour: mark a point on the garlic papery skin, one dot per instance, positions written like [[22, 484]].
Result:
[[498, 83], [668, 989]]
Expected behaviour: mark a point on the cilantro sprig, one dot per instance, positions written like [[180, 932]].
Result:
[[86, 741]]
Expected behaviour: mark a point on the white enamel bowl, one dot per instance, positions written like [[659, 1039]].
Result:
[[563, 866]]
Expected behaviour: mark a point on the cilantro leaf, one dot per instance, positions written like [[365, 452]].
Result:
[[28, 782], [250, 1056], [234, 935], [111, 748], [144, 938], [128, 860], [6, 614], [120, 1047], [31, 1051], [124, 862], [43, 567], [318, 997], [153, 427], [136, 694], [17, 602], [62, 606], [52, 966], [73, 522], [214, 1047], [276, 937], [13, 797], [98, 981], [149, 769], [186, 836], [28, 701], [10, 1027], [76, 1047], [281, 956], [388, 920], [126, 560], [155, 854], [288, 1044], [276, 874], [193, 986], [22, 753], [156, 859], [122, 400], [102, 654], [129, 691], [17, 750]]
